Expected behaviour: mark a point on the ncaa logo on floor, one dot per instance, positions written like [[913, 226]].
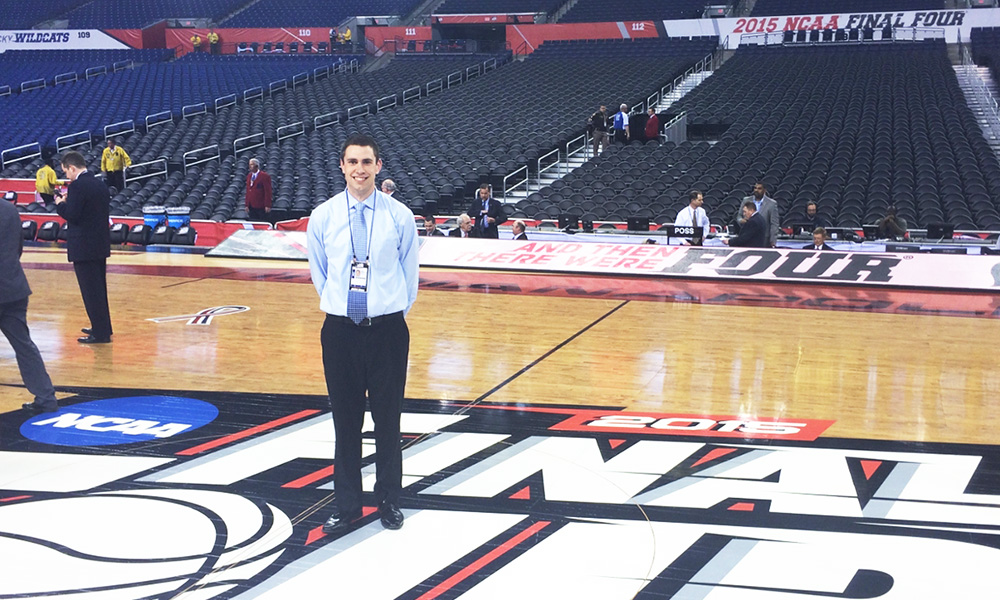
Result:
[[119, 421]]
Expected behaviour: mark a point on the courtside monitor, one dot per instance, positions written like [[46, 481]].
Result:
[[638, 223], [940, 231], [871, 232]]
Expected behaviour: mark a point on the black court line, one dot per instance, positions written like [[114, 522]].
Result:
[[206, 278], [555, 349]]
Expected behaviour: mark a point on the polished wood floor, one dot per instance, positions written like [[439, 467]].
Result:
[[877, 375]]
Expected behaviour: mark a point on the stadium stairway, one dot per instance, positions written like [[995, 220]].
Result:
[[980, 91], [568, 164]]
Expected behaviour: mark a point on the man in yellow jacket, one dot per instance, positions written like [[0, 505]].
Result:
[[114, 159], [45, 179], [213, 42]]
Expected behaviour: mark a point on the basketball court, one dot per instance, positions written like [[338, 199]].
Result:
[[566, 436]]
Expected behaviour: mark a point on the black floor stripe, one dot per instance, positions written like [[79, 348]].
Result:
[[558, 347]]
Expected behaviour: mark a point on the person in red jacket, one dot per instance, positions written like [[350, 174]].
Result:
[[258, 192], [652, 125]]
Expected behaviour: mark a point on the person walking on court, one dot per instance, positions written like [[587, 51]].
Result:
[[85, 207], [363, 258], [14, 292]]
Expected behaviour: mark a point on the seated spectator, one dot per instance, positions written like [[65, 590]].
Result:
[[813, 220], [430, 227], [464, 229], [519, 231], [819, 241], [891, 227]]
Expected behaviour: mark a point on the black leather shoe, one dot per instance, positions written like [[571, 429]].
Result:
[[34, 407], [340, 521], [391, 516], [90, 339], [87, 330]]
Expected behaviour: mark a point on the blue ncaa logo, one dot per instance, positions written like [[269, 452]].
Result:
[[119, 421]]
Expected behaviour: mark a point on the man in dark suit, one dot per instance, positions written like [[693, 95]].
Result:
[[465, 228], [519, 234], [430, 227], [488, 213], [88, 243], [14, 292], [819, 241], [753, 233], [768, 210]]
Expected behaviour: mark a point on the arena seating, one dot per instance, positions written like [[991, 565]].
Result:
[[498, 6], [18, 66], [24, 15], [137, 93], [300, 180], [855, 128], [485, 130], [128, 14], [819, 7], [587, 11], [301, 13], [625, 181]]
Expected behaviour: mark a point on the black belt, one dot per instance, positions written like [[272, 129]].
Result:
[[369, 321]]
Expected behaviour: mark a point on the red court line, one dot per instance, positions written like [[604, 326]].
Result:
[[14, 498], [313, 477], [477, 565], [247, 432]]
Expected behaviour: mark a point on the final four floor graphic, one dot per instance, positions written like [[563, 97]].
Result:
[[146, 494]]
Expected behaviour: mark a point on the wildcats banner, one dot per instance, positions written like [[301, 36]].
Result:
[[956, 23], [941, 271], [59, 39]]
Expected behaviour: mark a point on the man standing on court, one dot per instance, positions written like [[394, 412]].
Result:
[[85, 207], [258, 192], [362, 248], [114, 159], [14, 292]]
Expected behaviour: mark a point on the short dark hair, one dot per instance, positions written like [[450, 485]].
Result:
[[360, 139], [812, 203], [693, 194], [749, 203], [762, 184], [73, 159]]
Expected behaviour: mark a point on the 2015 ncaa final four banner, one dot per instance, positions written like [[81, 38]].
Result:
[[197, 495]]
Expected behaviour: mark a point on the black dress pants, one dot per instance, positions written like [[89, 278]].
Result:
[[93, 279], [14, 325], [359, 361]]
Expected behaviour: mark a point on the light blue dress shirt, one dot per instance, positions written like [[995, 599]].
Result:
[[393, 271]]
